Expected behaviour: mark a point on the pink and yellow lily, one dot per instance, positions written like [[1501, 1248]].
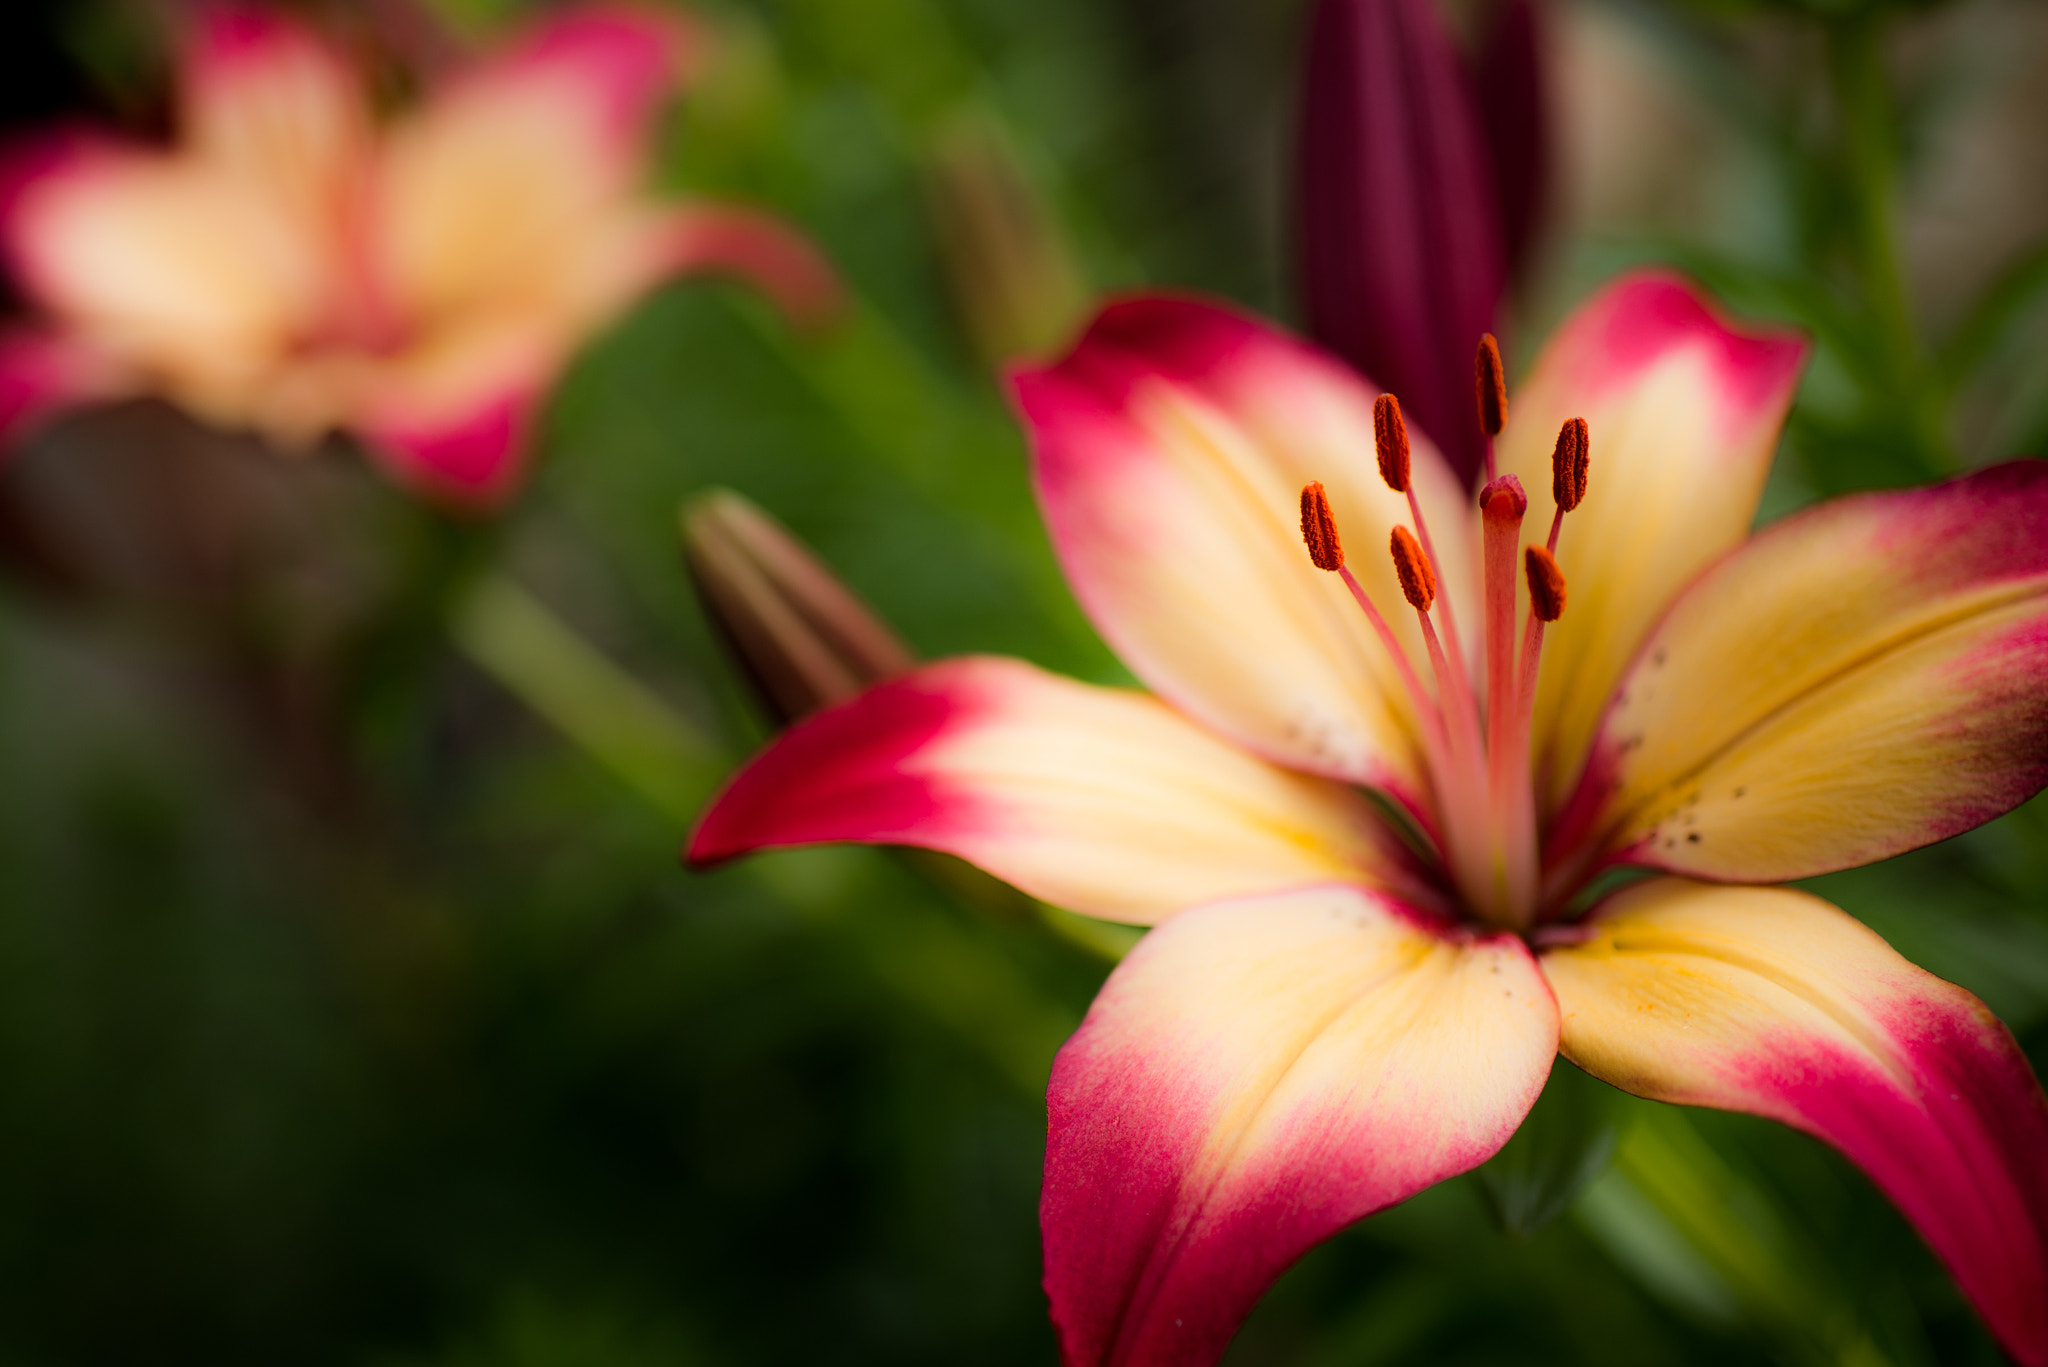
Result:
[[1366, 810], [292, 267]]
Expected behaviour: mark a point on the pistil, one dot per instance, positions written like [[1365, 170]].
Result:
[[1509, 800]]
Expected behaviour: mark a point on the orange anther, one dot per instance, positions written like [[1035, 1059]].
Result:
[[1546, 583], [1319, 529], [1492, 383], [1390, 435], [1570, 464], [1417, 575]]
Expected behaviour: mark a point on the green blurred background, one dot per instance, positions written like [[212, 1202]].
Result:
[[354, 1007]]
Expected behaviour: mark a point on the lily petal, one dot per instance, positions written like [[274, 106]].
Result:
[[193, 274], [1255, 1076], [624, 58], [1772, 1002], [452, 418], [757, 248], [42, 374], [1100, 800], [1684, 412], [1859, 680], [1170, 448], [263, 98], [511, 189]]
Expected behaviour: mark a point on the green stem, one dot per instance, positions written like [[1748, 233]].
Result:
[[1864, 108], [610, 715], [940, 968]]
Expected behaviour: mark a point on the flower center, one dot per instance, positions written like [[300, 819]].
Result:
[[1475, 730]]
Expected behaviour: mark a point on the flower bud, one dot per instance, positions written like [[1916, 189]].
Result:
[[1011, 269], [800, 635]]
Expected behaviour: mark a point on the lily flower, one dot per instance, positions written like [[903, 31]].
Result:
[[1375, 805], [293, 267]]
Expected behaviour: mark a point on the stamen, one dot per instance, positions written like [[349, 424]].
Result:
[[1390, 435], [1546, 584], [1319, 529], [1570, 464], [1546, 605], [1412, 567], [1492, 383], [1460, 781]]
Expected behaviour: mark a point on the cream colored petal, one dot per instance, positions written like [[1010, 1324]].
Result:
[[196, 277], [1170, 447], [1255, 1076], [264, 99], [512, 189], [1100, 800], [1684, 413]]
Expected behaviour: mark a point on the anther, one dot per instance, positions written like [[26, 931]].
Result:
[[1546, 584], [1390, 435], [1417, 575], [1319, 529], [1570, 464], [1493, 386], [1506, 487]]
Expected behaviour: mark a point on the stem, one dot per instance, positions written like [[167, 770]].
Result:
[[946, 972], [1869, 130], [610, 715]]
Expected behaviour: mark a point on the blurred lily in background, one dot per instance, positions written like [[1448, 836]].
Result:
[[293, 267], [1420, 185], [1389, 886]]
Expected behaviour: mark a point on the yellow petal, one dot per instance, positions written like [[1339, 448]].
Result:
[[1772, 1002], [1859, 680]]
